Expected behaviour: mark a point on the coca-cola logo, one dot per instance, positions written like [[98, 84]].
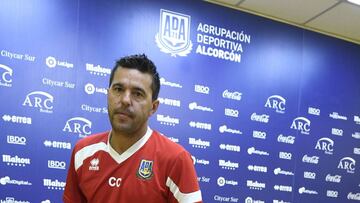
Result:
[[232, 95]]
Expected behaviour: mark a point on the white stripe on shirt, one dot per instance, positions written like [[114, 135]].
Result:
[[87, 152], [183, 197]]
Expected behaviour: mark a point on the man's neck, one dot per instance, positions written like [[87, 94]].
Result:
[[121, 142]]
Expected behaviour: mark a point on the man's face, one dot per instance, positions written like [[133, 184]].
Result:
[[130, 101]]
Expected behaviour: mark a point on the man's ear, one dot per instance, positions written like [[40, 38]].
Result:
[[154, 107]]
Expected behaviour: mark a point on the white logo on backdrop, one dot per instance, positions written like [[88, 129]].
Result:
[[276, 102], [41, 100], [301, 124], [174, 33], [78, 125], [17, 119], [170, 84], [6, 76], [348, 164], [51, 62]]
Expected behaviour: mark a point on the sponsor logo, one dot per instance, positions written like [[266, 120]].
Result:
[[310, 159], [57, 144], [170, 84], [256, 168], [251, 200], [15, 160], [198, 143], [255, 185], [231, 95], [285, 155], [303, 190], [314, 111], [12, 55], [286, 139], [97, 70], [348, 164], [51, 62], [332, 193], [91, 89], [174, 139], [228, 165], [203, 179], [78, 125], [199, 125], [276, 102], [13, 139], [337, 131], [309, 175], [94, 164], [174, 33], [259, 134], [353, 196], [225, 129], [279, 171], [167, 120], [337, 116], [301, 124], [41, 100], [195, 106], [7, 180], [263, 118], [17, 119], [53, 184], [6, 76], [92, 109], [46, 201], [202, 89], [200, 161], [283, 188], [56, 164], [225, 199], [357, 119], [333, 178], [55, 83], [252, 150], [170, 102], [114, 182], [325, 144], [145, 170], [221, 181], [357, 150], [356, 135], [12, 200], [279, 201], [231, 112], [228, 147]]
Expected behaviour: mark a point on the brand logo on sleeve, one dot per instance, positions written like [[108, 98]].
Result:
[[94, 164], [145, 170]]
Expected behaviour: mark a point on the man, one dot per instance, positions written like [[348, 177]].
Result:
[[131, 163]]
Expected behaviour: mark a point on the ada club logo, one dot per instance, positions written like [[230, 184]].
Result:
[[301, 124], [145, 170], [5, 79], [78, 125], [41, 100], [174, 33], [276, 102]]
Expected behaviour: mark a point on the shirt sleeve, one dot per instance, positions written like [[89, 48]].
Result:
[[182, 180], [72, 193]]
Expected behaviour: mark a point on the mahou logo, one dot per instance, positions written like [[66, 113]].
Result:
[[41, 100], [325, 144], [174, 33], [301, 124], [348, 164], [6, 76], [276, 102], [78, 125]]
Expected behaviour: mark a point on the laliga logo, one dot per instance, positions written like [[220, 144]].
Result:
[[325, 144], [50, 62], [174, 33], [302, 124], [78, 125], [348, 164], [276, 102], [41, 100], [6, 76]]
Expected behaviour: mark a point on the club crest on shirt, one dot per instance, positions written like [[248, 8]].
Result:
[[145, 170]]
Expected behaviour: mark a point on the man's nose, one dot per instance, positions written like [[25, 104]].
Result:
[[126, 98]]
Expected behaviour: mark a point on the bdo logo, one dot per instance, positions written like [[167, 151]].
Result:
[[301, 124], [6, 79], [78, 125], [276, 102], [41, 100], [174, 33]]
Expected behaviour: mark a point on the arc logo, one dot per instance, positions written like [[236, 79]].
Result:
[[276, 102], [164, 82], [301, 124], [174, 33], [348, 164], [325, 144], [41, 100], [6, 76], [78, 125]]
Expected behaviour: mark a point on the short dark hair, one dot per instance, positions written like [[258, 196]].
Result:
[[143, 64]]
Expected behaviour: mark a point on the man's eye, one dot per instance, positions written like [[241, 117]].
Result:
[[138, 94]]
